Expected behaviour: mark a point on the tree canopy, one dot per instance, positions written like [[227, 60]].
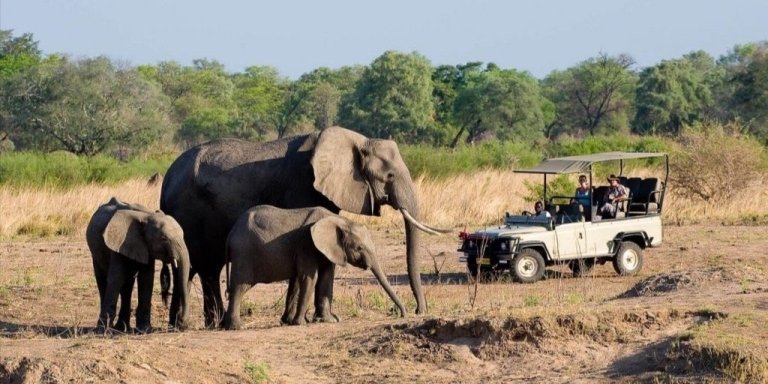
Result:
[[93, 105]]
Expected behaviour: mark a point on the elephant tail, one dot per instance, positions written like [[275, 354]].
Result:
[[226, 268], [165, 283]]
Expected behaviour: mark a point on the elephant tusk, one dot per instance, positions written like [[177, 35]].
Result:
[[427, 229], [175, 264], [370, 193]]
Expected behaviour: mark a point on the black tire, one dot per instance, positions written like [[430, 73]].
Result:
[[527, 266], [629, 259], [489, 275], [472, 267], [581, 267]]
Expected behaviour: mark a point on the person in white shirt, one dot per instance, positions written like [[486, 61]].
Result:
[[539, 210]]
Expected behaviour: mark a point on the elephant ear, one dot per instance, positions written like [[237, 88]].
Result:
[[125, 235], [327, 235], [336, 165]]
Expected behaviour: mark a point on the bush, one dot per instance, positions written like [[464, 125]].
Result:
[[715, 166], [63, 169], [561, 185], [444, 162]]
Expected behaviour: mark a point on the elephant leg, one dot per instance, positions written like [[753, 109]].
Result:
[[116, 276], [291, 300], [176, 317], [101, 278], [232, 317], [324, 296], [123, 323], [306, 288], [145, 280], [212, 303]]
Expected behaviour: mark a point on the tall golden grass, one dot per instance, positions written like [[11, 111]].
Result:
[[470, 200], [50, 212]]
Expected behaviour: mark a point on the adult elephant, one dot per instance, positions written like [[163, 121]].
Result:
[[208, 186]]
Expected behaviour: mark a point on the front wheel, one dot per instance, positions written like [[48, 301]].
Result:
[[629, 260], [581, 267], [528, 266]]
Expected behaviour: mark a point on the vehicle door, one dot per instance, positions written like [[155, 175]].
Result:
[[571, 240]]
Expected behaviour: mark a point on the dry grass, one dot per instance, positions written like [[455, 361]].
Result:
[[470, 200], [47, 212]]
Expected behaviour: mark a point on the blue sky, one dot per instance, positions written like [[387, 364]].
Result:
[[298, 36]]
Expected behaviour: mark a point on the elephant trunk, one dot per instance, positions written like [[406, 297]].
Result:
[[403, 198], [179, 314], [382, 278]]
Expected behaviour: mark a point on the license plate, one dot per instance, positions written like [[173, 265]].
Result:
[[483, 261]]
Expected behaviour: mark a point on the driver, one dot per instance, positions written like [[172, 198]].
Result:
[[539, 210]]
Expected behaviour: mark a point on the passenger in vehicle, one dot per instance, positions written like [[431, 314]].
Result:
[[582, 193], [616, 194], [539, 210]]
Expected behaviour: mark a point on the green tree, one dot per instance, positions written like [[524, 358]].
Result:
[[750, 96], [328, 88], [17, 54], [595, 96], [673, 94], [258, 97], [393, 99], [85, 106], [197, 93], [505, 104], [447, 81]]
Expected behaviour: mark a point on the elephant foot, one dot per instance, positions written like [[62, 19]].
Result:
[[231, 324], [101, 328], [143, 328], [122, 326], [105, 325], [286, 320], [298, 321], [179, 323], [326, 318], [179, 326]]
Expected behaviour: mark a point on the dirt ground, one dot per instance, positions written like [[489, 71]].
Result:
[[653, 327]]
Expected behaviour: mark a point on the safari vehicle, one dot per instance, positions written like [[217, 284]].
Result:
[[574, 234]]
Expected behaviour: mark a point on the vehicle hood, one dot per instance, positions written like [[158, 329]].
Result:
[[506, 231]]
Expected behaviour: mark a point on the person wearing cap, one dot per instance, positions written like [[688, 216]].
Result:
[[616, 193]]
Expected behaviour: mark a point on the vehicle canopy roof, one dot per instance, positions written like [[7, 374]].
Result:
[[583, 163]]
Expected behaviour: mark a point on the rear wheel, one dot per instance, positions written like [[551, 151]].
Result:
[[629, 260], [472, 267], [581, 267], [527, 266]]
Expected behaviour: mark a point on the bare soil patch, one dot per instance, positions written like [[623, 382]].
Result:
[[692, 315]]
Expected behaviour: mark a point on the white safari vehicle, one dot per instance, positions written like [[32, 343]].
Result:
[[575, 234]]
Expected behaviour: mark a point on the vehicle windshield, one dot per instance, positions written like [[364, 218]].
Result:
[[518, 220]]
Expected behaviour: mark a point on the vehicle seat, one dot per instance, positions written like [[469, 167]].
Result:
[[553, 209], [570, 213], [633, 184], [599, 195], [648, 198]]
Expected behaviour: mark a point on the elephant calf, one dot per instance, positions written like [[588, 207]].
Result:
[[125, 240], [269, 244]]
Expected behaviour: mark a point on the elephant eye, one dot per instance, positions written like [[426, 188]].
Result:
[[390, 176]]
